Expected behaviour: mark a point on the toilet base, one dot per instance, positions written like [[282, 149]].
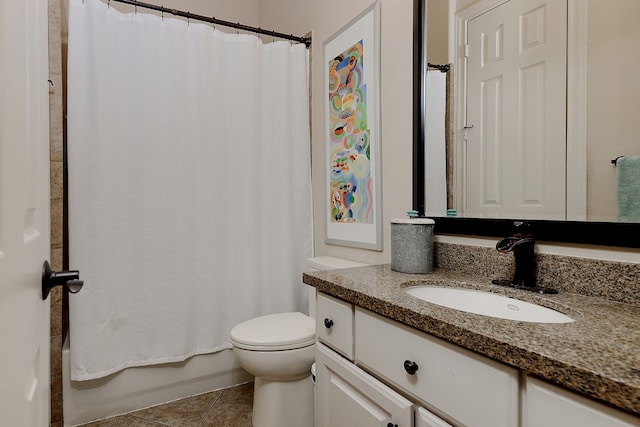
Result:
[[283, 403]]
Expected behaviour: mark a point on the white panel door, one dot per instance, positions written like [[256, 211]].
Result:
[[516, 103], [24, 213]]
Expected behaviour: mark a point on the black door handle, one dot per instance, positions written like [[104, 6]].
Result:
[[51, 279], [328, 323]]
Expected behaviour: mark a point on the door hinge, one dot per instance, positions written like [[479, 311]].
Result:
[[466, 50]]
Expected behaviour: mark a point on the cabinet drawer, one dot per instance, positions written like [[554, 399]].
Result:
[[334, 324], [547, 405], [471, 389]]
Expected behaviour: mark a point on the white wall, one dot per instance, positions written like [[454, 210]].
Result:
[[438, 27], [613, 89], [243, 11], [324, 18]]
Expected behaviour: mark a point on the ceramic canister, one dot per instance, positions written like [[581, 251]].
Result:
[[412, 245]]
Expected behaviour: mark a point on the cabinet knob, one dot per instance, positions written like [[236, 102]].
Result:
[[328, 323], [392, 425], [410, 367]]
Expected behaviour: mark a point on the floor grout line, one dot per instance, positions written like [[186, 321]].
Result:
[[204, 416]]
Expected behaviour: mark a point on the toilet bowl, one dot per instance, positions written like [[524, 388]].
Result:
[[278, 349]]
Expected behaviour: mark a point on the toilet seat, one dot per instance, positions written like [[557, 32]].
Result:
[[275, 332]]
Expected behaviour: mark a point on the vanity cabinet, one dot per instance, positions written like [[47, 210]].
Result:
[[445, 381], [546, 405], [393, 375]]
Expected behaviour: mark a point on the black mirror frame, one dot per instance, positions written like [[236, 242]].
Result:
[[581, 232]]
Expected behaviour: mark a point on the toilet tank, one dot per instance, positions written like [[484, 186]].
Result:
[[325, 263]]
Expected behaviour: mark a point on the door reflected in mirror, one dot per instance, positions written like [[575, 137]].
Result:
[[541, 97]]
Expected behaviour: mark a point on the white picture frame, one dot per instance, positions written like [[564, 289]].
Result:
[[353, 198]]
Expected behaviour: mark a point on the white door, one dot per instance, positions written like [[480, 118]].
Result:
[[24, 213], [516, 103]]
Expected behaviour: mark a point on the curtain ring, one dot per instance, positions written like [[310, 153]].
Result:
[[108, 4], [188, 22], [135, 7], [238, 29], [273, 36], [213, 22], [162, 12]]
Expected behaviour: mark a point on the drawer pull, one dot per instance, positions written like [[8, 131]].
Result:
[[410, 367], [328, 323], [392, 425]]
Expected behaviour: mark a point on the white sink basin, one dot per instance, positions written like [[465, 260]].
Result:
[[488, 304]]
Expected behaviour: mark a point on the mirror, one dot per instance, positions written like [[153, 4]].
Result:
[[602, 101]]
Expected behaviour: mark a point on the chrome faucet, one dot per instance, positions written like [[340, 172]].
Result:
[[522, 245]]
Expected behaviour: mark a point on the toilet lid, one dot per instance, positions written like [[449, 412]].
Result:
[[282, 331]]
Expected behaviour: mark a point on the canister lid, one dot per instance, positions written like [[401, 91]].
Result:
[[417, 221]]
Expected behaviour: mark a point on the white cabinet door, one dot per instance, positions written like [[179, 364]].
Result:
[[425, 418], [550, 406], [348, 396]]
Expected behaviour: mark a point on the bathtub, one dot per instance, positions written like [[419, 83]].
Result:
[[137, 388]]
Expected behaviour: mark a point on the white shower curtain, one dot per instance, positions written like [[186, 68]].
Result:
[[189, 185], [435, 144]]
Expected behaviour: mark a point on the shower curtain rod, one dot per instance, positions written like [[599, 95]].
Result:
[[443, 68], [212, 20]]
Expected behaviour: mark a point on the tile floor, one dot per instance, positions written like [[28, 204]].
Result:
[[230, 407]]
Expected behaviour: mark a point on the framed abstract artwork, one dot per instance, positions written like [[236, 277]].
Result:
[[352, 133]]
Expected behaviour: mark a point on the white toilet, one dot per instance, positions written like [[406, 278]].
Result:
[[279, 349]]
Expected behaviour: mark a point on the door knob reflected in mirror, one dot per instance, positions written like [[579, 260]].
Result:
[[51, 279]]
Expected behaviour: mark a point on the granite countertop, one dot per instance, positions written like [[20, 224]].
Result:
[[598, 355]]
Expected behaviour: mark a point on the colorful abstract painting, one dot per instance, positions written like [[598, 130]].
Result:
[[350, 184], [352, 133]]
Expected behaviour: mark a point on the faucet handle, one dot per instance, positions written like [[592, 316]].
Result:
[[505, 245], [522, 229], [509, 244]]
